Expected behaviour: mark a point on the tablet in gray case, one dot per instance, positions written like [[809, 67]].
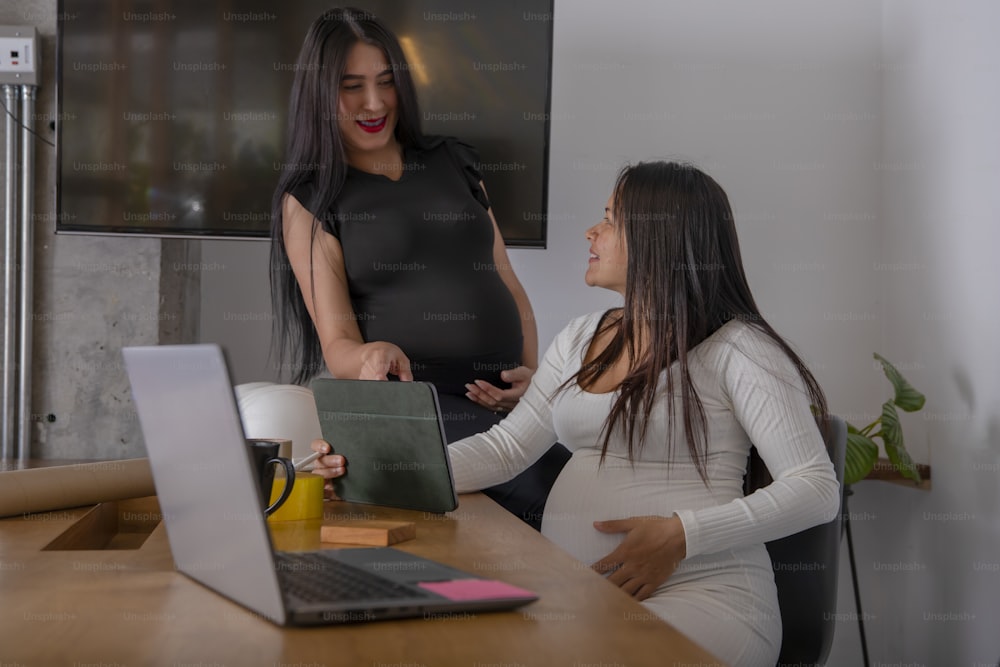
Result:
[[392, 437]]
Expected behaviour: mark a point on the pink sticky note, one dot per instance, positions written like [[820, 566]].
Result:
[[475, 589]]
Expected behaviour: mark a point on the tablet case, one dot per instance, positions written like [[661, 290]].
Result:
[[391, 435]]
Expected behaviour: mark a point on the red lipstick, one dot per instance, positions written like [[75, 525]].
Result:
[[372, 126]]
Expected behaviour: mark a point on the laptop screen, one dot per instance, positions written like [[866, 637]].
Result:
[[203, 474]]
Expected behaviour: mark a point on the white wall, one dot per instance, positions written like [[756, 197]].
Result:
[[779, 101], [929, 563], [236, 307], [857, 141]]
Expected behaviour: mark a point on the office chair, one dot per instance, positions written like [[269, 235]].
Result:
[[280, 411], [806, 566]]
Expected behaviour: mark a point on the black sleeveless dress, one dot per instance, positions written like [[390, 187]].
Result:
[[418, 254]]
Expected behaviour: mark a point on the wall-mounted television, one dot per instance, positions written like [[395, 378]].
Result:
[[173, 114]]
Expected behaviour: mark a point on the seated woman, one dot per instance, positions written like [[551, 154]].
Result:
[[659, 402]]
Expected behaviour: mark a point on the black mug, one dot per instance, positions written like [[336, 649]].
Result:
[[264, 453]]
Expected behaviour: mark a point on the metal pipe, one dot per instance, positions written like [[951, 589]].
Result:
[[7, 408], [26, 314]]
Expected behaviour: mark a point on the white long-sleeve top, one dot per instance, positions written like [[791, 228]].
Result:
[[751, 393]]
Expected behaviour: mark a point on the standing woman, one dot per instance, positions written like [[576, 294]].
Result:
[[386, 260]]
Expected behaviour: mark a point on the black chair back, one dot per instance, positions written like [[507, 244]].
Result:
[[806, 566]]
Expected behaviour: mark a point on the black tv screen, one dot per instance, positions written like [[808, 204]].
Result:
[[172, 115]]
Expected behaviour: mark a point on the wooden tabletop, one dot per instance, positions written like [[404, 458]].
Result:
[[97, 586]]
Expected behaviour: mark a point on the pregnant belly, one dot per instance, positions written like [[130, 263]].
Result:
[[585, 492]]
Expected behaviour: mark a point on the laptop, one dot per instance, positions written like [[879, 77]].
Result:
[[217, 531], [392, 436]]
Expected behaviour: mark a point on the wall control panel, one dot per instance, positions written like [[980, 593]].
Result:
[[19, 55]]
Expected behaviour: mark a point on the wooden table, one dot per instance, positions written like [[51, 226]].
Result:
[[119, 601]]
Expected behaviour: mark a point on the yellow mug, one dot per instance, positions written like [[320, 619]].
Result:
[[305, 500]]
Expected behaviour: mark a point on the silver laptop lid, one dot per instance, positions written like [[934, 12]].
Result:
[[203, 474]]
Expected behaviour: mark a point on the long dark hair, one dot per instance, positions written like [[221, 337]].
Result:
[[685, 279], [315, 153]]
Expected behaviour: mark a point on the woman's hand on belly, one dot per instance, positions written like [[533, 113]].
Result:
[[649, 554], [501, 400], [379, 360]]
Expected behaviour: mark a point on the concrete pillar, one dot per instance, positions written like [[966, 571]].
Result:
[[92, 296]]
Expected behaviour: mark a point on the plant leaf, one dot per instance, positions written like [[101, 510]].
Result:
[[901, 459], [851, 428], [891, 432], [907, 398], [862, 452], [892, 436]]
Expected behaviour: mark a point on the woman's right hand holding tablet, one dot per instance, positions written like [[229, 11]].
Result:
[[381, 359]]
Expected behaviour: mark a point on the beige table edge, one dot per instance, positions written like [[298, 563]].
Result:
[[130, 606]]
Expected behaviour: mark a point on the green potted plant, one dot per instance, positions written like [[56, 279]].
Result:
[[862, 451]]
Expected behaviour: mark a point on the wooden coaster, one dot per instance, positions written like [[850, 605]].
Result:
[[371, 533]]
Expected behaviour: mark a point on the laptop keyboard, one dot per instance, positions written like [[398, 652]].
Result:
[[312, 577]]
